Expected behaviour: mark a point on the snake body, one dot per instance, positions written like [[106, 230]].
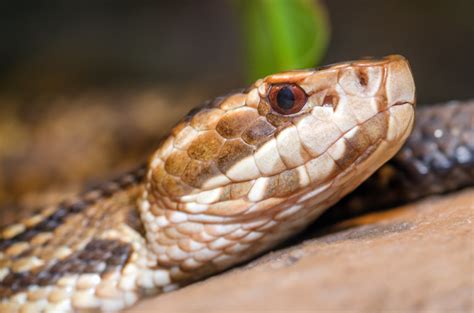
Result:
[[233, 179]]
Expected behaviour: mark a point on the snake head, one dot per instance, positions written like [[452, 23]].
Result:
[[287, 122], [286, 148]]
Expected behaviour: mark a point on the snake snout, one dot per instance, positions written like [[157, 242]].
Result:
[[400, 95], [400, 86]]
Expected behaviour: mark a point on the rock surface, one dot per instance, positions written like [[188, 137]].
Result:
[[416, 258]]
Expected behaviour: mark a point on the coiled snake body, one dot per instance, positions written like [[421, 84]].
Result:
[[234, 178]]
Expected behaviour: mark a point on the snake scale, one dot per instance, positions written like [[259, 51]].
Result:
[[234, 178]]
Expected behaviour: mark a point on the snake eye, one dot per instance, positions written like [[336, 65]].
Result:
[[287, 98]]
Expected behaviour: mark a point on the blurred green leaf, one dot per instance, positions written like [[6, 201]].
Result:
[[283, 34]]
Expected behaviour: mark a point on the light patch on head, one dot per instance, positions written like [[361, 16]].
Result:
[[338, 150], [190, 264], [206, 254], [401, 120], [268, 159], [195, 207], [155, 162], [343, 116], [166, 148], [313, 193], [161, 277], [216, 181], [258, 190], [189, 198], [363, 108], [190, 245], [321, 168], [304, 178], [252, 236], [206, 119], [253, 98], [189, 228], [209, 196], [262, 88], [228, 208], [220, 229], [220, 243], [264, 205], [176, 254], [256, 223], [357, 139], [177, 217], [289, 146], [245, 169], [206, 218], [323, 114], [288, 212], [234, 101], [185, 137], [316, 136], [237, 248]]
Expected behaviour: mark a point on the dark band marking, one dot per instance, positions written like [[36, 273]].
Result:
[[65, 209], [98, 257]]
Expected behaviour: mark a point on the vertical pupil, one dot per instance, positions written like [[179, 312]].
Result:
[[285, 98]]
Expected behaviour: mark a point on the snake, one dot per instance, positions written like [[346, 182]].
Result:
[[234, 178]]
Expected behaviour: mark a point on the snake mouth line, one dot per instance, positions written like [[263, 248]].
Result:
[[402, 103], [343, 133]]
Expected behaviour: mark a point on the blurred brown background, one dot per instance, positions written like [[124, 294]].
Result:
[[56, 46], [87, 89]]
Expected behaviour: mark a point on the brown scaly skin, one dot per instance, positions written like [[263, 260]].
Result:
[[233, 179]]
